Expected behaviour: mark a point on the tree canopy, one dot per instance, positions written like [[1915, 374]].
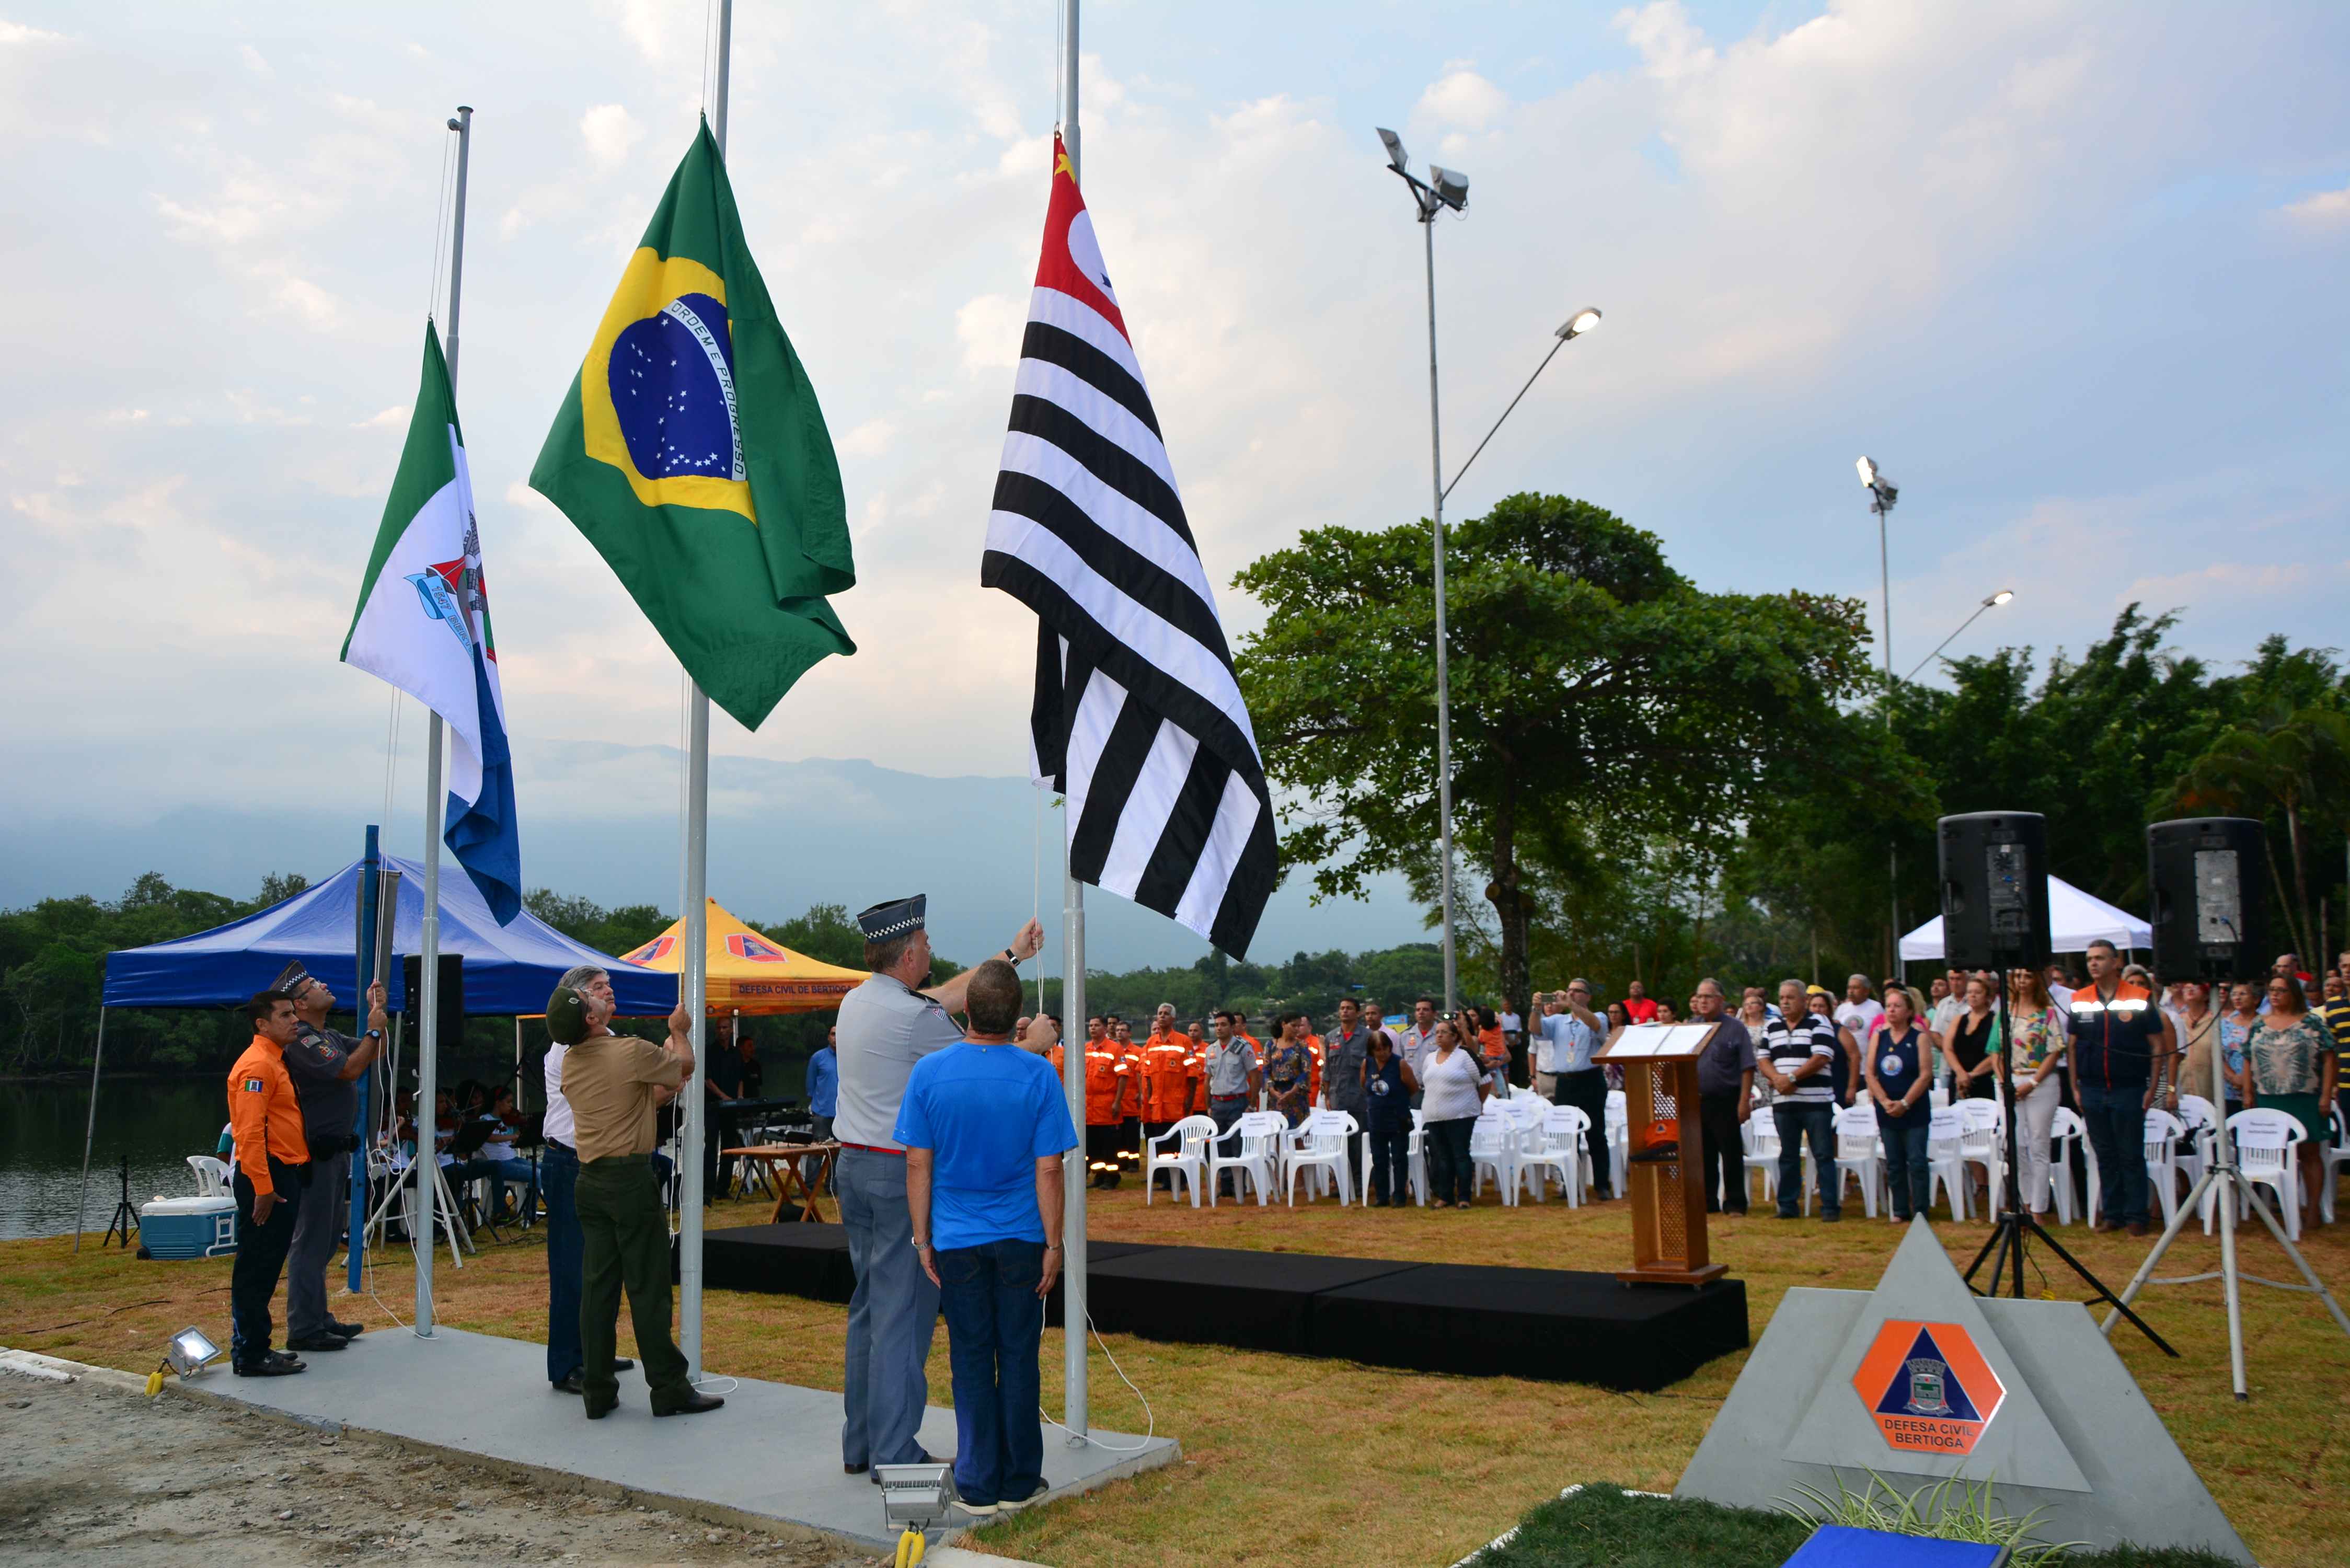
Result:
[[1601, 705]]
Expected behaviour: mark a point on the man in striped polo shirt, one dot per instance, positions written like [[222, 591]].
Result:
[[1796, 1057]]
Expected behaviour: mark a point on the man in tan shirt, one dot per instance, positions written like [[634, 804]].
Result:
[[614, 1084]]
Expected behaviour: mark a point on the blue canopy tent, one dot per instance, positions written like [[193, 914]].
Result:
[[508, 969]]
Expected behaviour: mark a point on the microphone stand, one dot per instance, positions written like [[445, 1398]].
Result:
[[2005, 1246]]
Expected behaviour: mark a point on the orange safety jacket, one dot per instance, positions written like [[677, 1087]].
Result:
[[1106, 1069], [1168, 1067], [264, 1114]]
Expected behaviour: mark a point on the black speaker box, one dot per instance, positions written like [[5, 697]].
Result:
[[452, 999], [2209, 877], [1994, 890]]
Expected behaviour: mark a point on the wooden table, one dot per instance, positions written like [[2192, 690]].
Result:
[[785, 1160]]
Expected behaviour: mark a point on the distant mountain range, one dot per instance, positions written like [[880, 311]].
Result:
[[601, 821]]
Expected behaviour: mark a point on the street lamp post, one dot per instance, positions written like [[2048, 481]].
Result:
[[1882, 493], [1992, 602], [1449, 188]]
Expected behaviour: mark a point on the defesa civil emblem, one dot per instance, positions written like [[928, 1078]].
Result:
[[1927, 1388]]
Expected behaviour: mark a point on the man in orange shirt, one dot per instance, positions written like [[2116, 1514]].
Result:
[[1107, 1077], [272, 1167], [1168, 1068]]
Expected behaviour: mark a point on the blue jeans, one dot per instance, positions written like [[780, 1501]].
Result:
[[891, 1318], [1445, 1146], [2116, 1122], [994, 1318], [1798, 1121], [1907, 1172], [1391, 1163], [558, 1168]]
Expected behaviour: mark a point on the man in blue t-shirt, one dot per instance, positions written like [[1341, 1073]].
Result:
[[984, 1125]]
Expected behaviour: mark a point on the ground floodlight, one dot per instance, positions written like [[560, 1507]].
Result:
[[1451, 186], [1398, 159], [1999, 598], [1581, 322]]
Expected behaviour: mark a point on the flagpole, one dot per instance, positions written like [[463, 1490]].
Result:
[[1073, 1317], [428, 986], [693, 974]]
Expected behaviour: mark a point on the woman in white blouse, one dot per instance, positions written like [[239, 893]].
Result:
[[1453, 1088]]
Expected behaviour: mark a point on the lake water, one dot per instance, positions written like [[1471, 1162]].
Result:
[[158, 1123]]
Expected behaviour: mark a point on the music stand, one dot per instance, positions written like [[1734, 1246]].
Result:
[[2016, 1221], [1665, 1171]]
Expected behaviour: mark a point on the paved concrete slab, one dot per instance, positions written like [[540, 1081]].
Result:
[[772, 1454]]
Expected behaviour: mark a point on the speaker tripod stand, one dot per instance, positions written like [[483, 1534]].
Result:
[[126, 1217], [2015, 1223], [2219, 1173]]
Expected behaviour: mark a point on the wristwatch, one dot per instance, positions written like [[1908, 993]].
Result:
[[919, 1243], [1010, 958]]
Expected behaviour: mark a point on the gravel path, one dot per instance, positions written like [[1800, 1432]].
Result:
[[90, 1472]]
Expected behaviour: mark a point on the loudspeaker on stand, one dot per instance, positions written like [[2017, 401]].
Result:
[[1994, 890], [2209, 877]]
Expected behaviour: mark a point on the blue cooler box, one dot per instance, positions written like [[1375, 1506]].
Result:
[[174, 1227]]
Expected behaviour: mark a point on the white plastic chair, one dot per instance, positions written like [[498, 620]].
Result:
[[1945, 1161], [2336, 1154], [1524, 1118], [1858, 1155], [2065, 1129], [1619, 1143], [1493, 1146], [1320, 1146], [1415, 1158], [2202, 1122], [2266, 1153], [1560, 1147], [1758, 1138], [1983, 1142], [2163, 1132], [1253, 1156], [1188, 1159], [211, 1176]]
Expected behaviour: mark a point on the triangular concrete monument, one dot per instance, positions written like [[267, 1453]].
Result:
[[1921, 1377]]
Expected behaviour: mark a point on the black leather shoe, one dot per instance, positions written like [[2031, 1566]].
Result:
[[570, 1384], [622, 1364], [317, 1341], [693, 1406], [855, 1469], [348, 1330], [596, 1413], [276, 1367]]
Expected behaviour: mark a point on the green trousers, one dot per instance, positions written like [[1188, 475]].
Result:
[[626, 1237]]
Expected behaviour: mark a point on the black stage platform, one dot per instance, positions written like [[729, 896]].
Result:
[[1466, 1319]]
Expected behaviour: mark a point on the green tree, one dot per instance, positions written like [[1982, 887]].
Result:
[[1591, 685]]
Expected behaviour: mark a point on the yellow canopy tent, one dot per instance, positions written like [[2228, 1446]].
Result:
[[749, 973]]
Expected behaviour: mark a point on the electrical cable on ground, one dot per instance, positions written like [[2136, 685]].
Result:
[[1150, 1421]]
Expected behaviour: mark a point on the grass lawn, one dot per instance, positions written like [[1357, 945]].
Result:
[[1301, 1461]]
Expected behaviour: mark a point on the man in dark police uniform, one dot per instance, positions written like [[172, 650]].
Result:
[[326, 1066]]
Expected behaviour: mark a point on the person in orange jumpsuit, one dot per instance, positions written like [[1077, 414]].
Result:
[[1169, 1069], [1109, 1083], [272, 1167]]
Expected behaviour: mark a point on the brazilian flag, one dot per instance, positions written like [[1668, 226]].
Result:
[[691, 453]]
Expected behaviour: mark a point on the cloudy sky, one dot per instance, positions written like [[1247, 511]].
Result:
[[2073, 273]]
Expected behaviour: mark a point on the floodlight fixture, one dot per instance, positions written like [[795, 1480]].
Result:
[[1451, 187], [1999, 598], [1581, 322], [1398, 159], [190, 1351], [1867, 466]]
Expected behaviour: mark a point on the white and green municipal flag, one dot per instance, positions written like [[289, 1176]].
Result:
[[424, 624]]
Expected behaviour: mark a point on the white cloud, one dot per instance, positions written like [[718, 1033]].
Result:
[[1463, 100], [2324, 209], [252, 60], [609, 131], [988, 327]]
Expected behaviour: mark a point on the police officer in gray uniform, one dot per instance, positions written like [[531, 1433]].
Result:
[[326, 1066], [886, 1026]]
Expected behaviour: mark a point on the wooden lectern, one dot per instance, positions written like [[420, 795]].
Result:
[[1665, 1167]]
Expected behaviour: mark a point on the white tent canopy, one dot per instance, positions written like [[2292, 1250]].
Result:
[[2077, 919]]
